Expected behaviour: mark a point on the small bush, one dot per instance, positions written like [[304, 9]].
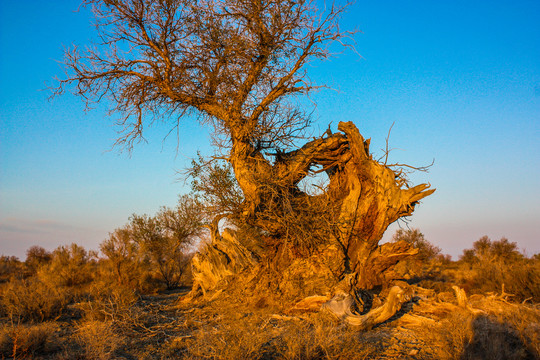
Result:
[[108, 303], [99, 340], [426, 264], [521, 279], [32, 300], [497, 266], [36, 257], [121, 264], [24, 341]]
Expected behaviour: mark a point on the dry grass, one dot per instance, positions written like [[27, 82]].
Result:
[[99, 339], [484, 327], [227, 328], [156, 327], [260, 335], [519, 322]]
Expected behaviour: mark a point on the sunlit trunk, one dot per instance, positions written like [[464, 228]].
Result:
[[368, 196]]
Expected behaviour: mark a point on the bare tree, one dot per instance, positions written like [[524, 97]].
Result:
[[240, 66]]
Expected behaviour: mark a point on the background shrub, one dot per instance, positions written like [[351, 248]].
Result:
[[10, 266], [70, 266], [32, 300], [426, 263], [494, 266], [36, 257]]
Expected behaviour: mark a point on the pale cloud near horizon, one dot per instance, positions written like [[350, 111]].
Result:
[[21, 225], [18, 234]]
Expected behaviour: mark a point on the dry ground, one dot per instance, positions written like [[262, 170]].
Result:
[[432, 325]]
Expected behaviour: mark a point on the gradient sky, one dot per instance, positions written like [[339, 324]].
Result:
[[460, 79]]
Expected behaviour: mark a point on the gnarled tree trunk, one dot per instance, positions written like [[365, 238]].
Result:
[[361, 199]]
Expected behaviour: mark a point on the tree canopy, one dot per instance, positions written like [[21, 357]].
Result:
[[235, 64]]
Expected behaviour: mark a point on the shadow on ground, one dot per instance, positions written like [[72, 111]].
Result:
[[495, 341]]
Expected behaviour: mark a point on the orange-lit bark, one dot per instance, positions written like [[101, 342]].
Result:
[[368, 197]]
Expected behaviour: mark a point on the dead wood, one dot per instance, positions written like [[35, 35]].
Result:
[[341, 307]]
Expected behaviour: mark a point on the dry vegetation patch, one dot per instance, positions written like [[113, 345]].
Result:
[[113, 324], [28, 341], [32, 300], [452, 312]]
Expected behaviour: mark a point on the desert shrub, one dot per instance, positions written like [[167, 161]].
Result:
[[9, 266], [164, 239], [485, 250], [520, 279], [497, 266], [32, 300], [27, 341], [98, 339], [121, 264], [426, 250], [70, 266], [151, 253], [426, 263], [36, 257], [108, 302]]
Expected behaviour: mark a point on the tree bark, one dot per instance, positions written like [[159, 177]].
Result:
[[362, 199]]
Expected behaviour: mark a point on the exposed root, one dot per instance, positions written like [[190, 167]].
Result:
[[341, 307], [463, 302]]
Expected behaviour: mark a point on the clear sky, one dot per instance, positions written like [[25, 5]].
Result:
[[460, 79]]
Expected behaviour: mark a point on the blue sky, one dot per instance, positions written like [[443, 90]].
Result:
[[460, 80]]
